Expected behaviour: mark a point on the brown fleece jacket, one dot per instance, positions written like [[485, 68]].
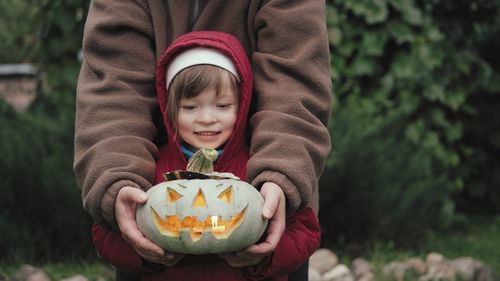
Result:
[[116, 109]]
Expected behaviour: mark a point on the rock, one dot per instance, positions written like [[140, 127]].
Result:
[[314, 274], [30, 273], [339, 273], [439, 270], [469, 269], [396, 270], [78, 277], [418, 265], [434, 258], [486, 274], [323, 260], [360, 267], [3, 277], [466, 267], [367, 277]]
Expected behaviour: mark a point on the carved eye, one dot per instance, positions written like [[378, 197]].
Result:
[[173, 195], [227, 195], [199, 200]]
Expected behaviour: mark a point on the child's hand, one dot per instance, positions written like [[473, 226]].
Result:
[[125, 206]]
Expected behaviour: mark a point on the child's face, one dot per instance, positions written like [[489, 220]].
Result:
[[208, 119]]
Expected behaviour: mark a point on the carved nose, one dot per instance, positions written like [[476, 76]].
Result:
[[199, 200]]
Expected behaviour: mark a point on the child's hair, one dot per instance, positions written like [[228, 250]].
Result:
[[191, 81]]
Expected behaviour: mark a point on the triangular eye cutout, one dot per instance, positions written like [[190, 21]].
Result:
[[173, 195], [199, 200], [227, 195]]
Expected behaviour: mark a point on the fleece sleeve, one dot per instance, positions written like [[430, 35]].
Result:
[[115, 104], [301, 238], [290, 139]]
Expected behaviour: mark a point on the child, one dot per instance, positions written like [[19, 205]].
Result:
[[204, 88]]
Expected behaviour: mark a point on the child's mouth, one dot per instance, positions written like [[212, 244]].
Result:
[[207, 133]]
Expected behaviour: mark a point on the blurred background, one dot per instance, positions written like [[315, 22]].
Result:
[[415, 130]]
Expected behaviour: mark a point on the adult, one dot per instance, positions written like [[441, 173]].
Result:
[[116, 130]]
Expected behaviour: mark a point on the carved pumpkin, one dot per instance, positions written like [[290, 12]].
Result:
[[201, 213]]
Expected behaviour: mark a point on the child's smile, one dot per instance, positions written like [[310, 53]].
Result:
[[207, 136], [207, 133]]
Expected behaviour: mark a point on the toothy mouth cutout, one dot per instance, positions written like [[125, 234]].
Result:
[[220, 229]]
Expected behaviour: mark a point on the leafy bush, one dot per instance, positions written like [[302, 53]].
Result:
[[41, 214], [480, 167], [403, 85], [17, 36]]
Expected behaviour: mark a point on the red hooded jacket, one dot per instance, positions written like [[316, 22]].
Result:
[[302, 234]]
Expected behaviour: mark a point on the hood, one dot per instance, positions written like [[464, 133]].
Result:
[[232, 48]]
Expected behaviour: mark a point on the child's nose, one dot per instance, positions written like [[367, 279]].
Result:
[[207, 115]]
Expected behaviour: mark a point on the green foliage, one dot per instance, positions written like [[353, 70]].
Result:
[[402, 117], [41, 214], [18, 37], [478, 239], [482, 85], [92, 269], [61, 24]]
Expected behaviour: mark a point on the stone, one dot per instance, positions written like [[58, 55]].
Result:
[[396, 270], [367, 277], [439, 270], [314, 274], [78, 277], [434, 258], [465, 267], [3, 277], [361, 267], [339, 273], [418, 265], [323, 260], [30, 273], [485, 273]]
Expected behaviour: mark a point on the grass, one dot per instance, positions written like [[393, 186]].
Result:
[[479, 238], [481, 241], [93, 270], [476, 237]]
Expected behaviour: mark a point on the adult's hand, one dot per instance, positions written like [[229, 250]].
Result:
[[125, 207]]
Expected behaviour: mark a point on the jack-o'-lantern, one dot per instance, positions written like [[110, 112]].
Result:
[[199, 211]]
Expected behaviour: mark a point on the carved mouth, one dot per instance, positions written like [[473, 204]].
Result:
[[172, 226]]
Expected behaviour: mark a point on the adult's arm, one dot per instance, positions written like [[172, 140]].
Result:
[[115, 104], [290, 139]]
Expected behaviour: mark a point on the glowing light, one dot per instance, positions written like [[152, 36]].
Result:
[[215, 225]]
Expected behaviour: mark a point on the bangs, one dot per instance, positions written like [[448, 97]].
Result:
[[192, 81]]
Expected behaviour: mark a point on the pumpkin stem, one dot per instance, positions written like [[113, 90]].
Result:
[[203, 160]]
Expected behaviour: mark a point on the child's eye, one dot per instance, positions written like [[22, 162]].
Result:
[[224, 105], [188, 107]]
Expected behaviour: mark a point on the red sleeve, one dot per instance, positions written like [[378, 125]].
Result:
[[301, 238], [114, 249]]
